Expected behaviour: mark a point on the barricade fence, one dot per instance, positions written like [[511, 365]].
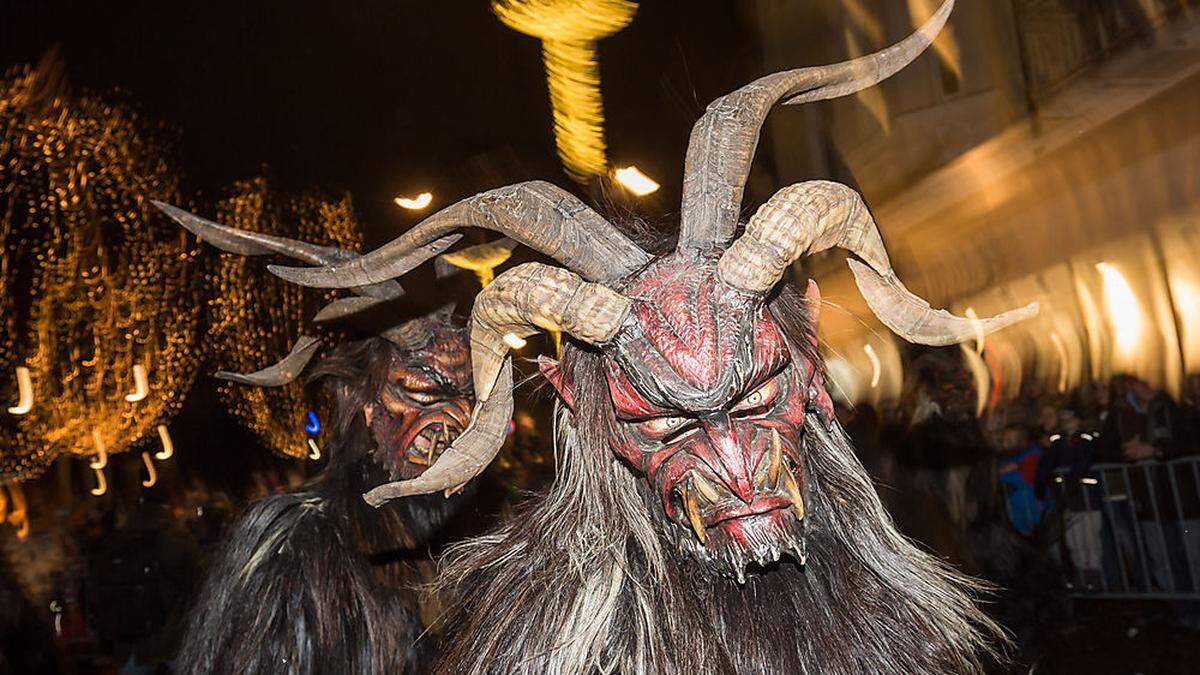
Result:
[[1132, 530]]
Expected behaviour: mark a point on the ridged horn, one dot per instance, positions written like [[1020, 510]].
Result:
[[537, 214], [246, 242], [517, 303], [281, 373], [810, 217], [722, 144], [410, 335]]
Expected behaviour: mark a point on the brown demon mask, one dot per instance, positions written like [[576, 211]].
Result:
[[424, 402], [708, 396]]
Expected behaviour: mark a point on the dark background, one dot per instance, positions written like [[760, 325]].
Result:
[[382, 97]]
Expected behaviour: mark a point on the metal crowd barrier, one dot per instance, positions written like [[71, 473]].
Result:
[[1132, 530]]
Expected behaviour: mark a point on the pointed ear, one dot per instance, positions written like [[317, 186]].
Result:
[[557, 379], [812, 301]]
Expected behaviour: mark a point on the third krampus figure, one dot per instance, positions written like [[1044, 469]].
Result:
[[709, 514]]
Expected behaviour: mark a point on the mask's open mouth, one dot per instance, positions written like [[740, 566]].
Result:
[[430, 442], [737, 532]]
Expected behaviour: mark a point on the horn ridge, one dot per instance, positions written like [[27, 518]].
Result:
[[723, 141]]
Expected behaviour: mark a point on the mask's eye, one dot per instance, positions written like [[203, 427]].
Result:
[[423, 397], [760, 398], [661, 427]]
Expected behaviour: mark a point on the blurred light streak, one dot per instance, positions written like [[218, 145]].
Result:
[[845, 381], [101, 460], [514, 341], [415, 203], [977, 327], [864, 21], [314, 451], [636, 182], [141, 385], [1063, 363], [569, 30], [1093, 324], [876, 368], [150, 471], [1187, 305], [1124, 313], [101, 483], [18, 517], [168, 447], [946, 46], [25, 392], [871, 97], [979, 376]]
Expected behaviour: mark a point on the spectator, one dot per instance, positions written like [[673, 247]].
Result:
[[1017, 474], [1065, 476]]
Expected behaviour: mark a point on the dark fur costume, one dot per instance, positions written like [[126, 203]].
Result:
[[308, 581]]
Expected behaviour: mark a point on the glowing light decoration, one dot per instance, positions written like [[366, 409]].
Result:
[[635, 181], [312, 425], [1124, 312], [151, 473], [876, 367], [18, 515], [25, 392], [1064, 365], [257, 317], [569, 31], [417, 203], [106, 282], [101, 483], [314, 450], [977, 328], [168, 447], [141, 385], [101, 460]]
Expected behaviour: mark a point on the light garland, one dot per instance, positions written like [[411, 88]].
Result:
[[256, 317], [569, 30], [111, 285]]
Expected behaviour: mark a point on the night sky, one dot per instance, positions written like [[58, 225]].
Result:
[[381, 97]]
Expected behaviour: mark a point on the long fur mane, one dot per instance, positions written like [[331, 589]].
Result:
[[311, 581], [583, 579]]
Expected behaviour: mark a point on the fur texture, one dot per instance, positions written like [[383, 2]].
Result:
[[589, 577], [310, 582]]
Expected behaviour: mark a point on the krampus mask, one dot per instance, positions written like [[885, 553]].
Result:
[[699, 375], [423, 401]]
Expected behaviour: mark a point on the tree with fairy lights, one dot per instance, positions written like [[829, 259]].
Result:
[[101, 309], [256, 317]]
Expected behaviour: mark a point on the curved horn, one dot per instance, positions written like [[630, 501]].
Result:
[[246, 242], [810, 217], [540, 215], [723, 141], [283, 372], [410, 335], [517, 303]]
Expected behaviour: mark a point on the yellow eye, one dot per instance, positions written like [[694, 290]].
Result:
[[764, 395], [661, 426]]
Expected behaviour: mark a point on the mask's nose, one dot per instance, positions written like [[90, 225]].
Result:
[[728, 456]]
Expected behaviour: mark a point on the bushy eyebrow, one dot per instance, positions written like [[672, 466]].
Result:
[[642, 409]]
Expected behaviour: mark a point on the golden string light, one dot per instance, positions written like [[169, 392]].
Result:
[[101, 483], [18, 514], [876, 367], [25, 392], [101, 460], [141, 385], [168, 447], [569, 31], [151, 473], [256, 317], [106, 282]]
